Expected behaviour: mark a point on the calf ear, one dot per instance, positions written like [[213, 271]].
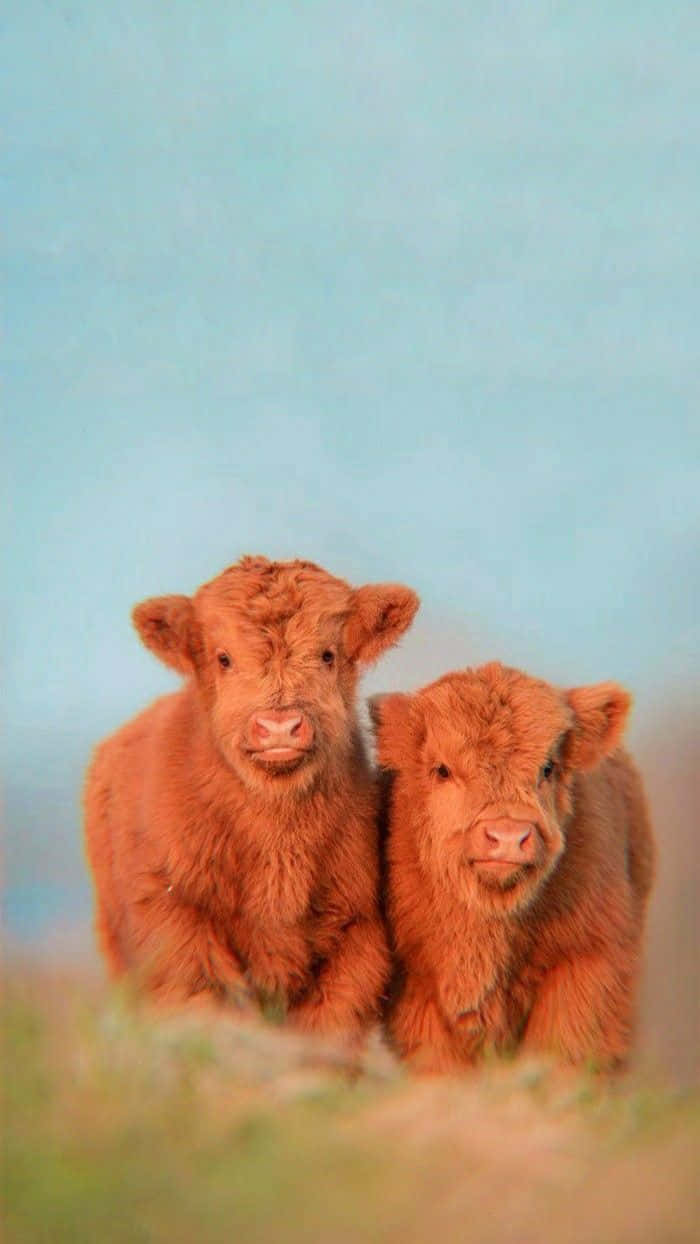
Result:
[[166, 626], [600, 713], [393, 728], [379, 615]]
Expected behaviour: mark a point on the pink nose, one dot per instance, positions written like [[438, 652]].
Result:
[[281, 728], [511, 841]]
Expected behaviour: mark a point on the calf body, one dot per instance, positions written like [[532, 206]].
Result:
[[519, 861], [231, 826]]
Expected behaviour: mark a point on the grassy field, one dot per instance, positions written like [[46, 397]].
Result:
[[120, 1127]]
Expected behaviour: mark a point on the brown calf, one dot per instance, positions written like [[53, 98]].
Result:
[[231, 826], [519, 858]]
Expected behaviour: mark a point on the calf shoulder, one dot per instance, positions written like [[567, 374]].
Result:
[[593, 898]]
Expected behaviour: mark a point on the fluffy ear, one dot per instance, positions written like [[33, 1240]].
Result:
[[166, 626], [600, 713], [394, 728], [379, 614]]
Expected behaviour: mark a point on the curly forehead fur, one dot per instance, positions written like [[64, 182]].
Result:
[[493, 715], [270, 593]]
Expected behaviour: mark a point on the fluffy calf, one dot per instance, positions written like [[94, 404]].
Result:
[[231, 826], [519, 859]]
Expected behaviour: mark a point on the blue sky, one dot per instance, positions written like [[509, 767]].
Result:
[[411, 290]]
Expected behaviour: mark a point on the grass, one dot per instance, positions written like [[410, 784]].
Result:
[[120, 1127]]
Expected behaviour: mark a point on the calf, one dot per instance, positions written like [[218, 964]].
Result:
[[231, 826], [519, 860]]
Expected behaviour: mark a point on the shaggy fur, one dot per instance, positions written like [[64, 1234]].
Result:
[[223, 868], [519, 860]]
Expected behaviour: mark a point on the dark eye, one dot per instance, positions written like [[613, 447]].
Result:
[[442, 772], [328, 657], [547, 770], [224, 660]]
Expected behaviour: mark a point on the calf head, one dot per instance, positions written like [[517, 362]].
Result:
[[276, 648], [484, 761]]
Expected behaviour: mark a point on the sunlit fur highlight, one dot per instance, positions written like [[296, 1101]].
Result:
[[217, 875], [546, 954]]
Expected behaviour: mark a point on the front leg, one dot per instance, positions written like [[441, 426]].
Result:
[[178, 954], [424, 1037], [475, 995], [346, 994], [584, 1009], [278, 962]]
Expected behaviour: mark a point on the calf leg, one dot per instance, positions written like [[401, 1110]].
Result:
[[109, 941], [98, 846], [584, 1009], [277, 959], [346, 995], [176, 953], [423, 1037]]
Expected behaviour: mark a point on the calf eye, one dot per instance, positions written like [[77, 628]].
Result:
[[547, 770], [224, 660], [328, 657], [442, 772]]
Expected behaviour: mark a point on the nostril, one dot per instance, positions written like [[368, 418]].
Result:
[[509, 837], [272, 726]]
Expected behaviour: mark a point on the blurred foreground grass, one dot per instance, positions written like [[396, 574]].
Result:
[[119, 1127]]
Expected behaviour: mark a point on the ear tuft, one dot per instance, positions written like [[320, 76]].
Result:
[[600, 713], [394, 728], [166, 626], [379, 615]]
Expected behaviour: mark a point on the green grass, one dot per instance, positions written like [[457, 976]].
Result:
[[122, 1127]]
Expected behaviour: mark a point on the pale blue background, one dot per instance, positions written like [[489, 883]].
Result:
[[413, 290]]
